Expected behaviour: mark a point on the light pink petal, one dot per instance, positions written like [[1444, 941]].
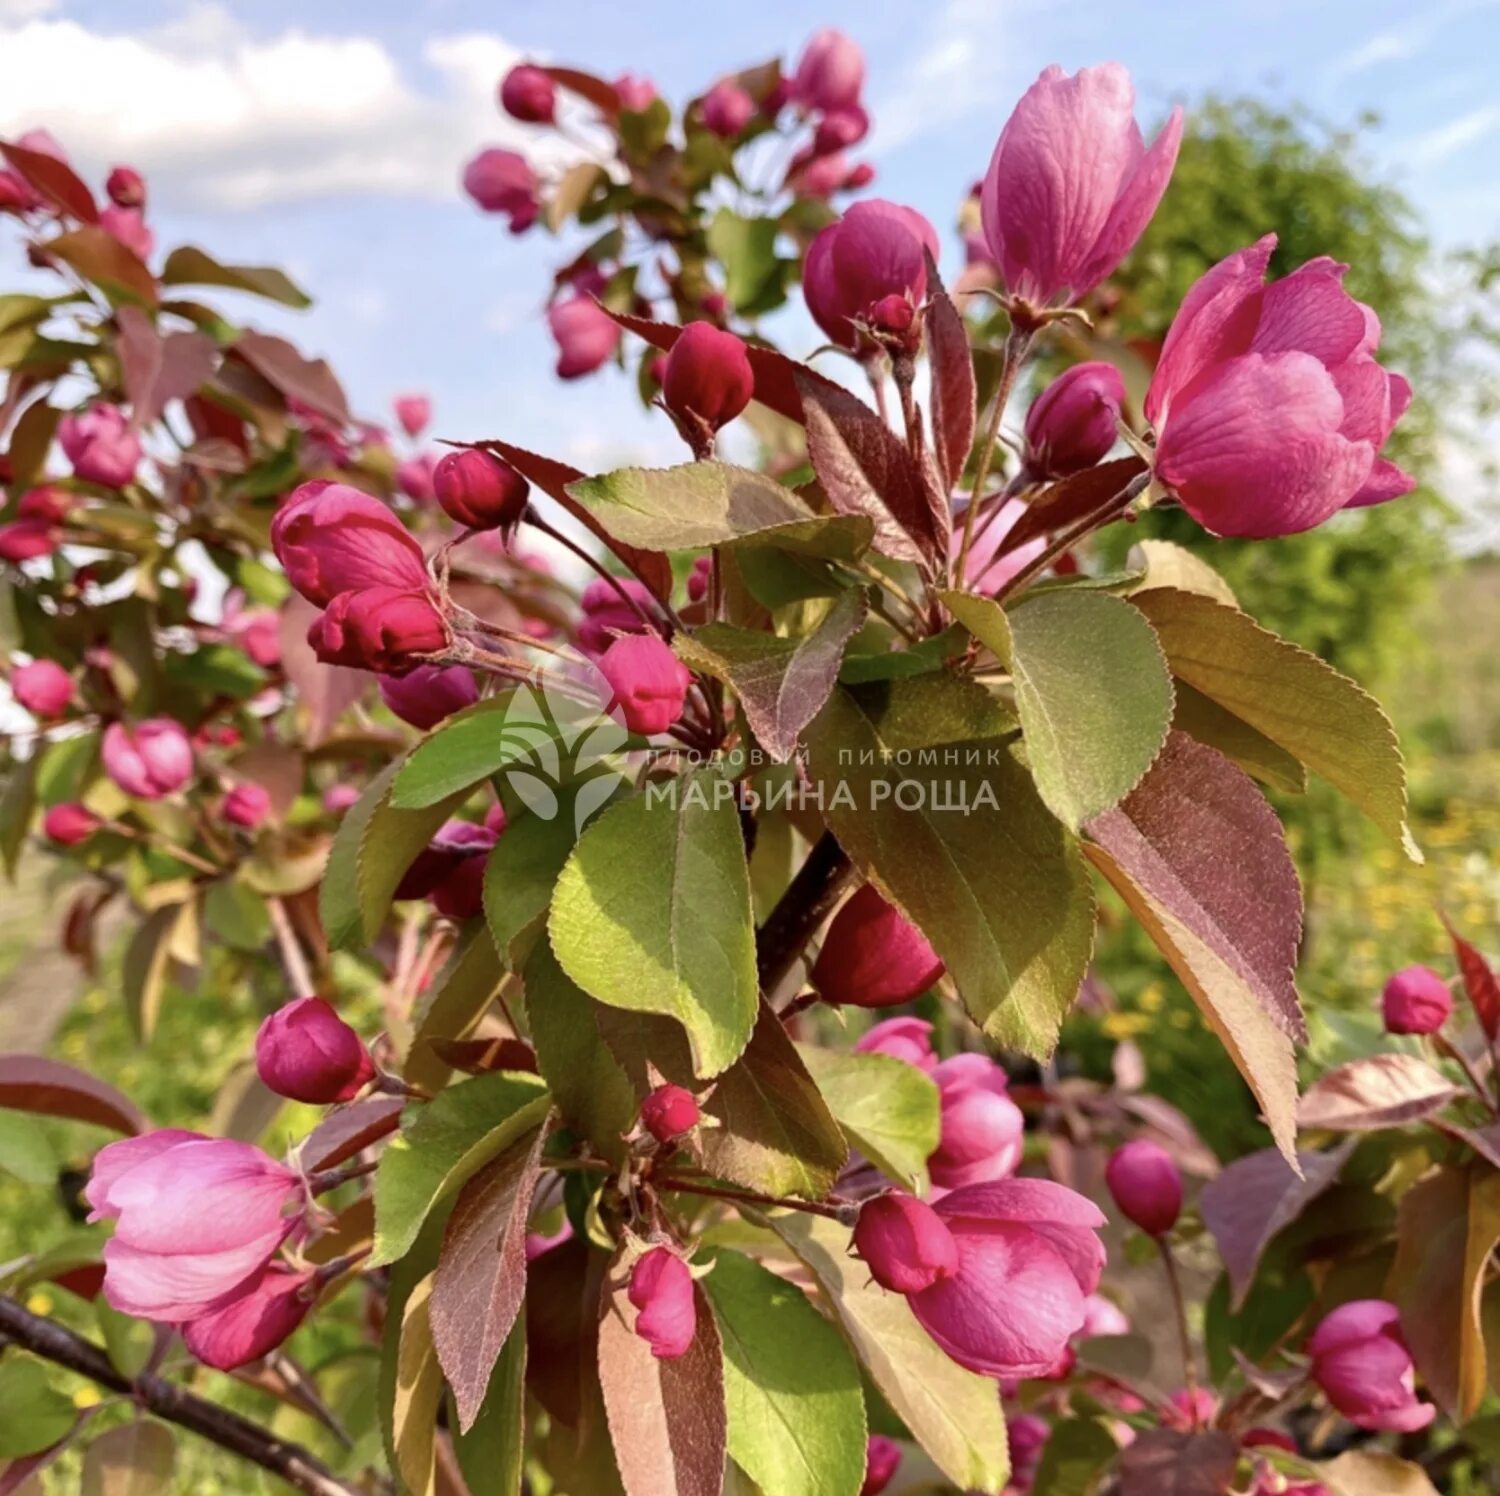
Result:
[[1309, 311], [1134, 207], [116, 1159], [990, 534], [1028, 1200], [1352, 1323], [1255, 449], [1216, 321], [1372, 1376], [174, 1287], [1400, 395]]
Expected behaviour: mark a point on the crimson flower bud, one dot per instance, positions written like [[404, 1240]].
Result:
[[413, 412], [480, 491], [1072, 424], [44, 503], [306, 1052], [100, 445], [254, 1322], [26, 539], [1416, 1001], [727, 109], [247, 805], [43, 687], [873, 956], [669, 1112], [648, 683], [503, 182], [859, 176], [904, 1243], [149, 760], [882, 1460], [839, 129], [430, 693], [661, 1288], [69, 824], [830, 73], [586, 335], [529, 95], [708, 380], [1146, 1185], [126, 187], [607, 614], [698, 578], [378, 628]]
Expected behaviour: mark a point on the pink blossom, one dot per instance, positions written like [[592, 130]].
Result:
[[1361, 1361], [128, 225], [150, 760], [830, 72], [413, 412], [1072, 424], [873, 956], [385, 629], [1146, 1184], [648, 684], [503, 182], [607, 614], [1416, 1000], [43, 687], [981, 569], [727, 109], [480, 491], [529, 95], [430, 693], [100, 445], [254, 1322], [1269, 407], [69, 824], [983, 1130], [306, 1052], [882, 1460], [246, 805], [877, 250], [586, 335], [908, 1039], [904, 1243], [331, 538], [661, 1288]]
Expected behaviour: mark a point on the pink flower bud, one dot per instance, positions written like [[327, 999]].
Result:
[[150, 760], [648, 683], [859, 177], [669, 1112], [306, 1052], [1361, 1361], [1189, 1410], [246, 805], [1102, 1316], [1028, 1437], [708, 380], [378, 628], [129, 227], [460, 894], [26, 540], [1416, 1001], [414, 477], [636, 93], [69, 824], [100, 445], [480, 491], [1146, 1185], [839, 129], [875, 251], [454, 842], [1071, 185], [586, 335], [254, 1322], [429, 694], [830, 73], [529, 95], [904, 1243], [873, 956], [983, 1130], [1072, 424], [337, 798], [1269, 407], [43, 687], [661, 1288], [727, 109], [503, 182], [607, 614], [882, 1460], [126, 187], [699, 577], [331, 539], [16, 195], [908, 1039], [44, 503], [413, 412], [196, 1220]]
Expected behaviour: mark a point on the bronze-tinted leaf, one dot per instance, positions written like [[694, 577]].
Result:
[[54, 180], [1070, 499], [1383, 1090], [308, 380], [953, 391], [30, 1083], [99, 257], [1168, 1462], [350, 1130], [1480, 982]]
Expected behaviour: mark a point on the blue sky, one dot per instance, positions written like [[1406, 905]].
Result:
[[328, 138]]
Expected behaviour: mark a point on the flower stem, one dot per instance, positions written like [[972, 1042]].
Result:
[[1184, 1339]]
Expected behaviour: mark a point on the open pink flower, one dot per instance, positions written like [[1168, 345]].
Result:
[[1360, 1359], [982, 570], [503, 182], [1071, 184], [661, 1288], [195, 1220], [331, 538], [1269, 407], [149, 760], [586, 335]]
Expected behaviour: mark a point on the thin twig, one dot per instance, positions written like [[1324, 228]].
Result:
[[297, 970], [1184, 1339], [800, 910]]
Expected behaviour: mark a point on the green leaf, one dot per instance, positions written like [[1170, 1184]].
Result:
[[592, 1092], [951, 1412], [17, 806], [187, 266], [492, 1454], [1092, 689], [26, 1151], [746, 247], [143, 976], [1076, 1451], [702, 504], [129, 1341], [923, 658], [969, 852], [37, 1415], [652, 913], [442, 1144], [453, 1006], [888, 1109], [1322, 718], [1204, 719], [418, 1394], [792, 1390], [782, 683], [375, 845]]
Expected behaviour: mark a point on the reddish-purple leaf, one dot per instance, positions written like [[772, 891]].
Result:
[[954, 392], [1257, 1196], [1167, 1462], [158, 370], [1480, 982], [479, 1056], [553, 478], [350, 1130], [601, 95], [29, 1083], [308, 380], [1385, 1090], [666, 1417], [1198, 837], [99, 257], [481, 1273], [865, 468], [1070, 499], [55, 180], [325, 692]]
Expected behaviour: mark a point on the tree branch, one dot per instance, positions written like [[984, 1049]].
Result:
[[800, 910], [56, 1343]]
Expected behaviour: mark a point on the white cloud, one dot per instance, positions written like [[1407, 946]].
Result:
[[224, 119], [24, 10], [1398, 43], [1437, 145]]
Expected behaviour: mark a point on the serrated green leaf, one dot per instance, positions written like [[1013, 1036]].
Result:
[[26, 1151], [746, 248], [1075, 1453], [781, 683], [1092, 690], [888, 1109], [442, 1144], [652, 913], [951, 1412], [970, 853], [791, 1388]]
